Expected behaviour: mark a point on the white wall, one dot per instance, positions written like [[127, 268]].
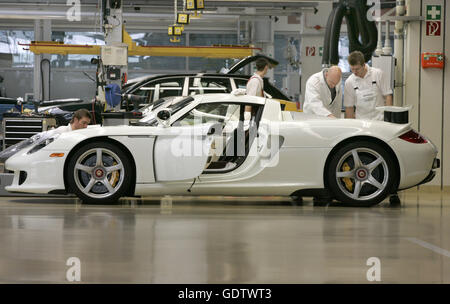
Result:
[[312, 38], [428, 89], [446, 106]]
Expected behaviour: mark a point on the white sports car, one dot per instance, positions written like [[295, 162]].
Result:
[[228, 144]]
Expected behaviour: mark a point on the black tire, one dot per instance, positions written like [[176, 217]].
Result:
[[89, 180], [366, 184]]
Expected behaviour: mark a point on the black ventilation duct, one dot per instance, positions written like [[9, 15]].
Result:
[[358, 27]]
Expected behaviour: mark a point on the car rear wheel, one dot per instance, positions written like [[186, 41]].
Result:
[[362, 174], [99, 173]]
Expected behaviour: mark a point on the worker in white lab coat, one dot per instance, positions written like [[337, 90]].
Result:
[[366, 89], [323, 95], [80, 120]]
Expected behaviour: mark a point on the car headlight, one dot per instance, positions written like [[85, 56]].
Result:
[[43, 142]]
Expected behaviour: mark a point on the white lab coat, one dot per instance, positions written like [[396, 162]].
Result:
[[64, 129], [59, 130], [318, 97], [367, 93]]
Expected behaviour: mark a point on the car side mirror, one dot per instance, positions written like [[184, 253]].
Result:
[[163, 117]]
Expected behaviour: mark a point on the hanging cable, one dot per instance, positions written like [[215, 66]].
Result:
[[355, 14]]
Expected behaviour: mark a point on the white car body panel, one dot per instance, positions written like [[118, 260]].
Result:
[[299, 163], [181, 157]]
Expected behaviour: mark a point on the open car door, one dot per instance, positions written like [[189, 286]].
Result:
[[181, 152]]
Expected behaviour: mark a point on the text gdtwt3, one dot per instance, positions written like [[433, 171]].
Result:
[[228, 293]]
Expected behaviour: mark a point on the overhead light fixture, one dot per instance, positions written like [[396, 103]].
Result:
[[183, 18], [195, 5], [175, 30]]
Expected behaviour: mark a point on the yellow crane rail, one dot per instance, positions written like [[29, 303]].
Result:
[[215, 51]]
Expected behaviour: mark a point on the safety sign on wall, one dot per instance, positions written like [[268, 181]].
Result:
[[433, 21], [310, 51]]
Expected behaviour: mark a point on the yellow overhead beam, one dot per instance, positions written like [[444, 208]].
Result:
[[51, 47], [220, 51]]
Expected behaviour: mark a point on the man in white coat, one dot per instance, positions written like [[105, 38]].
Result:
[[323, 94], [366, 89]]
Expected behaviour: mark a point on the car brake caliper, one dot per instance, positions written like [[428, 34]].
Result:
[[114, 176], [347, 181]]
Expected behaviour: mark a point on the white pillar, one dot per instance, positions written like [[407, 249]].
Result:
[[399, 55], [37, 61], [46, 36]]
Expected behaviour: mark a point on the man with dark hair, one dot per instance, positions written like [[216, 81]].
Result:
[[366, 89], [80, 120], [255, 85]]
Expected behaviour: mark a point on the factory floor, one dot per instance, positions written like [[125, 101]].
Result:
[[225, 240]]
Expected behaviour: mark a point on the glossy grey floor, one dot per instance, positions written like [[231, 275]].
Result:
[[225, 240]]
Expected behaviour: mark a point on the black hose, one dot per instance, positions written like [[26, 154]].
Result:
[[358, 27], [335, 33], [352, 32], [326, 43], [42, 79]]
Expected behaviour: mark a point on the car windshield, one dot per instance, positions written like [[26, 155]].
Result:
[[174, 104]]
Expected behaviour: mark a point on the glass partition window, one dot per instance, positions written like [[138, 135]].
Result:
[[211, 65], [76, 60], [287, 53], [9, 44], [156, 62]]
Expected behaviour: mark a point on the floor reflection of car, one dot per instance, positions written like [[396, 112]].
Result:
[[213, 144]]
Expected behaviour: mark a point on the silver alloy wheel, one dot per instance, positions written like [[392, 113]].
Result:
[[99, 174], [361, 173]]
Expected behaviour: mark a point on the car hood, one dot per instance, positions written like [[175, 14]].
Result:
[[247, 60]]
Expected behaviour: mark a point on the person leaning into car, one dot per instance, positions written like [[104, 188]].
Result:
[[323, 94], [80, 120], [366, 89]]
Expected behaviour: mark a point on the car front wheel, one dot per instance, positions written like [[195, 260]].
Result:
[[99, 173], [362, 174]]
